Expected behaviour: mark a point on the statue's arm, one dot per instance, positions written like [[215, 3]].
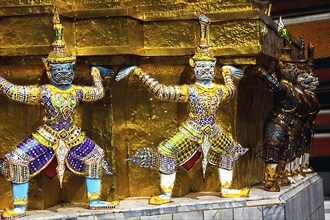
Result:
[[30, 94], [273, 83], [163, 92], [95, 92], [228, 72]]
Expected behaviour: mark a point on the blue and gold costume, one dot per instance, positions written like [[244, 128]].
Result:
[[57, 138]]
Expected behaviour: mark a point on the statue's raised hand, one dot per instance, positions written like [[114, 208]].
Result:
[[105, 72], [235, 72], [256, 70], [124, 72]]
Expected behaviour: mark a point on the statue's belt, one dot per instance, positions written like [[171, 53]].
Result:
[[195, 132], [49, 137], [282, 118]]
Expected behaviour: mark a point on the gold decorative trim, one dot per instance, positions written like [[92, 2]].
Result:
[[168, 189], [270, 173], [93, 196], [226, 185], [17, 201]]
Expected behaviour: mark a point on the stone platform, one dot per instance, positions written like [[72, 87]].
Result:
[[303, 200]]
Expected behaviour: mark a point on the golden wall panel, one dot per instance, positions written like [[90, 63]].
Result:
[[152, 2], [24, 32], [235, 33], [218, 5], [101, 32], [25, 2], [178, 34], [95, 4], [135, 36]]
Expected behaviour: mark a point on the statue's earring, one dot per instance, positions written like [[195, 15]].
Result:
[[191, 62], [46, 64]]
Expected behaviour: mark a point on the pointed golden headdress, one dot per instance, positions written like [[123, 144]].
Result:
[[59, 53], [202, 51], [284, 33], [310, 59]]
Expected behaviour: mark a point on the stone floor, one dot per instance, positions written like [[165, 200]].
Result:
[[327, 208], [303, 200]]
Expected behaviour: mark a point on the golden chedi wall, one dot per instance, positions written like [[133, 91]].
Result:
[[159, 36]]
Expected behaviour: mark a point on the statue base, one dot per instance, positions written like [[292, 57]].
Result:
[[303, 200]]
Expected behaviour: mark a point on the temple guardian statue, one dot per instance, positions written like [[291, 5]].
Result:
[[307, 82], [278, 150], [306, 112], [58, 138], [200, 131]]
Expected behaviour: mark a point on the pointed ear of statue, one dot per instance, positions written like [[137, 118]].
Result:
[[46, 64]]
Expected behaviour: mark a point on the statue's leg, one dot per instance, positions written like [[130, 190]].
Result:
[[166, 185], [173, 152], [289, 169], [275, 142], [281, 174], [301, 164], [288, 155], [223, 153], [306, 168], [86, 158], [19, 177], [307, 142], [167, 171], [27, 159], [226, 178], [93, 186], [298, 174]]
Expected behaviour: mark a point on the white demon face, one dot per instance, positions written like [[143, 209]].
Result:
[[204, 70], [307, 80]]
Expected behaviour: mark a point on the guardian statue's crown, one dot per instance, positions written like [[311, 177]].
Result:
[[59, 53], [202, 51]]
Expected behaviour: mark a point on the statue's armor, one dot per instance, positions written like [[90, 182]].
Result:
[[314, 108], [302, 109], [58, 136], [199, 130], [277, 139]]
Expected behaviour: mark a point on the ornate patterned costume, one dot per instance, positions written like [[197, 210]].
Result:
[[276, 134], [200, 130], [308, 130], [58, 137], [314, 108], [278, 146], [304, 82], [303, 107]]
